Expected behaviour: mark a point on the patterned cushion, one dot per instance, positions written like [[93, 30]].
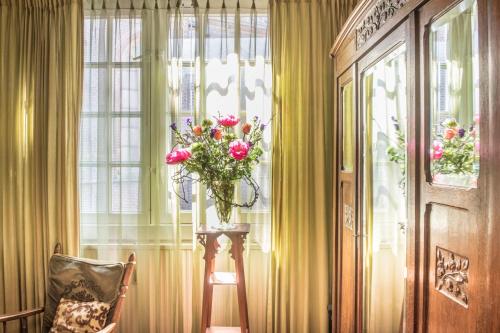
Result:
[[79, 317], [83, 280]]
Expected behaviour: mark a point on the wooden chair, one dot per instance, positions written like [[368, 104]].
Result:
[[81, 280]]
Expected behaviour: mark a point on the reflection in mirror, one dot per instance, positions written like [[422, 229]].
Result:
[[347, 127], [454, 84], [385, 212]]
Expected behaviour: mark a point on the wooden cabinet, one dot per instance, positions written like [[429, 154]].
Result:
[[416, 222]]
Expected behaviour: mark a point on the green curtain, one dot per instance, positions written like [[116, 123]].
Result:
[[40, 99], [302, 33]]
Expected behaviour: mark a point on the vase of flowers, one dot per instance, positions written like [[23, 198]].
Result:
[[213, 154], [455, 154]]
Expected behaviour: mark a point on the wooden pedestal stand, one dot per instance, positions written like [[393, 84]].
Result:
[[208, 238]]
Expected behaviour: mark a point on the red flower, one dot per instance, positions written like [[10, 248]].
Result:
[[217, 135], [239, 149], [246, 128], [450, 133], [198, 131], [228, 121], [177, 156]]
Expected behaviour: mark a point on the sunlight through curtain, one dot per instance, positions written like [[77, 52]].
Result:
[[147, 65]]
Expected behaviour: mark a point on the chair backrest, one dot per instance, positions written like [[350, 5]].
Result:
[[86, 280]]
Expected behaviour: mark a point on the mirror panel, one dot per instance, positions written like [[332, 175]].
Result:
[[348, 127], [384, 192], [454, 96]]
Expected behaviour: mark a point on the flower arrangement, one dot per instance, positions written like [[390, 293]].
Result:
[[455, 149], [217, 157], [397, 152]]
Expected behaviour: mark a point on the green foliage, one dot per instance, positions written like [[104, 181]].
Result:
[[397, 152], [454, 151]]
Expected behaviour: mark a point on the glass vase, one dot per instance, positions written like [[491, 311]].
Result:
[[223, 193]]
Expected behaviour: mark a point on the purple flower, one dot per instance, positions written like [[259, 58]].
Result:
[[189, 122], [173, 126], [461, 132], [250, 143], [262, 127], [212, 132]]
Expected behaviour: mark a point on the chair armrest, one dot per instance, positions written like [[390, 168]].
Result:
[[108, 329], [19, 315]]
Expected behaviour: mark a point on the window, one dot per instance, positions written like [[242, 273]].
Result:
[[136, 83]]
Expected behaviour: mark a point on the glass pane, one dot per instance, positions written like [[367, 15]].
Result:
[[94, 42], [219, 36], [348, 127], [454, 149], [93, 197], [93, 132], [385, 213], [126, 139], [188, 89], [95, 89], [126, 42], [126, 189], [254, 41], [126, 90]]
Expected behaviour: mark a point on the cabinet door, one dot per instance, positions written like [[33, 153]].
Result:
[[346, 246], [453, 223], [384, 185]]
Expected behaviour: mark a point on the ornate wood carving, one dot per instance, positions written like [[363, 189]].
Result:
[[348, 217], [376, 18], [452, 275]]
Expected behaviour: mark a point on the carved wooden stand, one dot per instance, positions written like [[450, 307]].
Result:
[[208, 238]]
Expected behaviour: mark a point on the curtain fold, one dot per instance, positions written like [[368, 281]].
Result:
[[40, 99], [301, 34]]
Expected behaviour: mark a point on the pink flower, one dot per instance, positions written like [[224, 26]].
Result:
[[437, 150], [239, 149], [476, 118], [177, 156], [228, 121]]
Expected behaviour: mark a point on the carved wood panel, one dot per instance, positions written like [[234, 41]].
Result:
[[452, 275], [348, 217], [376, 18]]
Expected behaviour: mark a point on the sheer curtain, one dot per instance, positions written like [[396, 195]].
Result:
[[148, 64]]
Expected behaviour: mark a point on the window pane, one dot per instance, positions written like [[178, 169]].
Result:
[[254, 41], [219, 36], [126, 89], [126, 189], [92, 136], [261, 175], [95, 40], [126, 139], [188, 89], [454, 151], [126, 43], [95, 90], [93, 197]]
